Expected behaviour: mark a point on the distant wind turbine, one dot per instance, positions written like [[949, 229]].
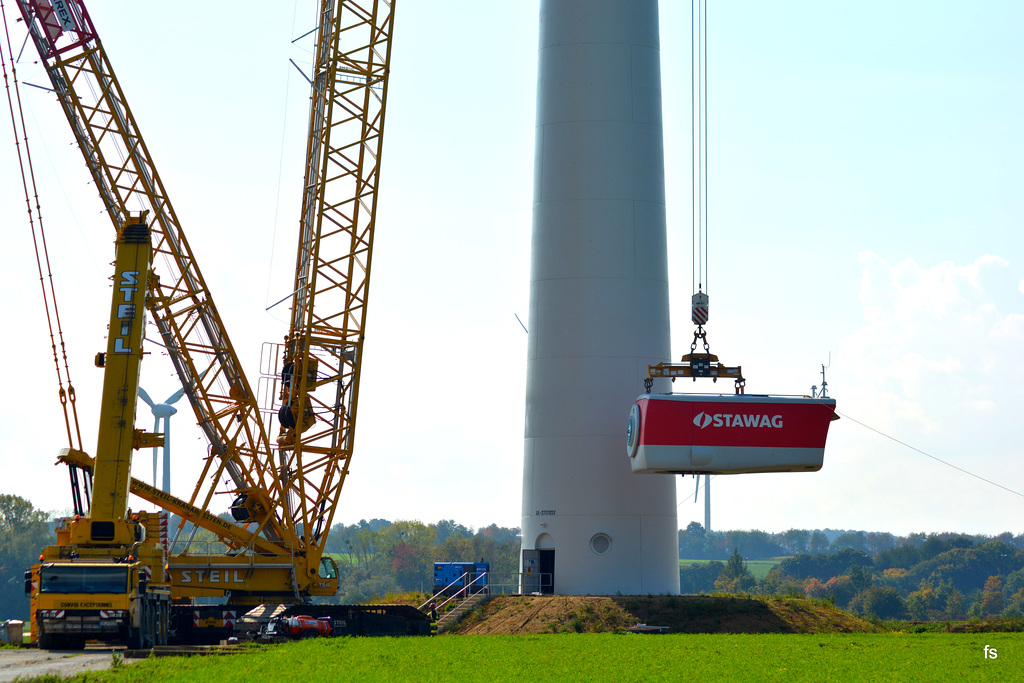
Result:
[[162, 411]]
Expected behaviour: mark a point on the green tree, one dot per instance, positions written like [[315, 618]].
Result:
[[24, 532], [819, 542], [735, 577], [879, 602], [853, 540], [795, 541], [449, 527], [880, 542], [699, 577], [917, 606], [860, 579], [1014, 582], [694, 543], [756, 544], [1014, 606]]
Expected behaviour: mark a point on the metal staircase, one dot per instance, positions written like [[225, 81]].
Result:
[[452, 616]]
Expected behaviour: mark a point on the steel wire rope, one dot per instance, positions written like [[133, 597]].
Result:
[[693, 154], [280, 174], [929, 455], [699, 144], [704, 22], [699, 486], [46, 281], [913, 448]]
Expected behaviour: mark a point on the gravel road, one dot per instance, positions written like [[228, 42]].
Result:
[[33, 662]]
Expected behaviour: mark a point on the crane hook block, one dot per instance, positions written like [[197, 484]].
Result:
[[699, 314]]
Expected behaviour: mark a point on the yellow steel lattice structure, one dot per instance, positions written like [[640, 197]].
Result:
[[180, 303], [322, 353], [290, 488]]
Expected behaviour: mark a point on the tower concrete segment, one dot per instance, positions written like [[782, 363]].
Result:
[[599, 310]]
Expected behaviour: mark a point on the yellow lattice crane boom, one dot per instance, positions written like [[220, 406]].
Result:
[[322, 353], [125, 175], [286, 487]]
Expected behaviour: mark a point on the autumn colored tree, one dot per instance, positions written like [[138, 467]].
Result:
[[921, 602], [813, 588], [841, 589], [992, 598]]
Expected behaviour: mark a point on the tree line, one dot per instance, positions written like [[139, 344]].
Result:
[[920, 577], [697, 544]]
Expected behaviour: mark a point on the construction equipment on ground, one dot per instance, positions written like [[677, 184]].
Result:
[[285, 489]]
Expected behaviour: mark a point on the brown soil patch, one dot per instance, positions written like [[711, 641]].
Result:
[[512, 615]]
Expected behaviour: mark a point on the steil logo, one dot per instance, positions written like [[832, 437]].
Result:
[[703, 420]]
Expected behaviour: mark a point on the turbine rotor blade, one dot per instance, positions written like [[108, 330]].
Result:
[[175, 396]]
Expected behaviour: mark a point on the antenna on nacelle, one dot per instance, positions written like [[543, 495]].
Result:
[[824, 384]]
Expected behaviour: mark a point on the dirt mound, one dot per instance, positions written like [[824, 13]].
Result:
[[680, 613]]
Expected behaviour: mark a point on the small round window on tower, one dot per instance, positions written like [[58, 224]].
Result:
[[600, 543]]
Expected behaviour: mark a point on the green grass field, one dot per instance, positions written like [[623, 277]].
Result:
[[759, 568], [604, 657]]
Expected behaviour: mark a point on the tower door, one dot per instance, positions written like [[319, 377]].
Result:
[[546, 563], [531, 572]]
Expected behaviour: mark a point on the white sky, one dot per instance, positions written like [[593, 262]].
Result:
[[865, 170]]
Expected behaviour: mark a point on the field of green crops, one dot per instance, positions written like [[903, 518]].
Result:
[[605, 657], [759, 568]]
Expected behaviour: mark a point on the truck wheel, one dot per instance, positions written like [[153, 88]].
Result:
[[46, 641], [309, 633]]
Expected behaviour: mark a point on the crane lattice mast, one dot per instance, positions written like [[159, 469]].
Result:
[[285, 488]]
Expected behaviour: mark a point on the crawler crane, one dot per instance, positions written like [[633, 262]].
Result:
[[285, 489]]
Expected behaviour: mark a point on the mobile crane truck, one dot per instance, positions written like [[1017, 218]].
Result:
[[106, 576], [285, 492]]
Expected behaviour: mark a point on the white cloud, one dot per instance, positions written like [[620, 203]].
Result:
[[982, 406], [1009, 327], [931, 336]]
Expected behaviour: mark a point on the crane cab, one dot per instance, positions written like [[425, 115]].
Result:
[[727, 434]]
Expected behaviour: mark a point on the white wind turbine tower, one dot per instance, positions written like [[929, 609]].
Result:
[[162, 411]]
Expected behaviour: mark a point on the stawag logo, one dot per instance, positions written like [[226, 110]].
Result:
[[703, 420]]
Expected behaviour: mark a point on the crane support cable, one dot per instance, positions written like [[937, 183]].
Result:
[[699, 141], [35, 218], [913, 448], [928, 455]]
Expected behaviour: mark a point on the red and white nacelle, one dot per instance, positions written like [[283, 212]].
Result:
[[727, 434]]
